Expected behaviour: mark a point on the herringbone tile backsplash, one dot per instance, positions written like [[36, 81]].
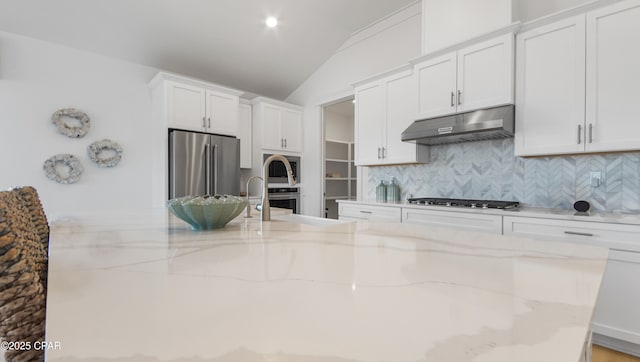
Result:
[[489, 170]]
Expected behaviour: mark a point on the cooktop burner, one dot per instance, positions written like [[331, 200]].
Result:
[[480, 204]]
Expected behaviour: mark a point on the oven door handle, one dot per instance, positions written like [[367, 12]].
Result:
[[284, 196]]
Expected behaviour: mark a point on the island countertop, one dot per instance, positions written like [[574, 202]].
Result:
[[145, 287]]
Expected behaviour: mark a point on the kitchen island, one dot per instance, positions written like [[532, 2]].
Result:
[[145, 287]]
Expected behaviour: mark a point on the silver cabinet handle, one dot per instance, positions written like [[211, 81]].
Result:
[[459, 97], [579, 133], [384, 152], [365, 212], [285, 143], [204, 125], [209, 122], [378, 152], [453, 95], [590, 132], [576, 233], [282, 143]]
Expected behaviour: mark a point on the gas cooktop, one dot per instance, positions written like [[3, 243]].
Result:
[[480, 204]]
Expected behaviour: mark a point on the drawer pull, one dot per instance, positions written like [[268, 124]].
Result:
[[365, 212], [576, 233]]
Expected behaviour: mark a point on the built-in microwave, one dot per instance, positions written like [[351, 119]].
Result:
[[277, 171]]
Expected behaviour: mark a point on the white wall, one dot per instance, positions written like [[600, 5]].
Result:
[[447, 22], [525, 10], [38, 78], [385, 45], [338, 127]]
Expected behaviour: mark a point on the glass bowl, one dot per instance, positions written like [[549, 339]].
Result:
[[207, 212]]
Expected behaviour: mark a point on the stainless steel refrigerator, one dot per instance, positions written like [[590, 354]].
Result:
[[203, 164]]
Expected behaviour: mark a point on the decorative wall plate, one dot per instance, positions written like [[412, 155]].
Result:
[[73, 168], [70, 131], [99, 149]]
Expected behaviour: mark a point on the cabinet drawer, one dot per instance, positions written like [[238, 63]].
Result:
[[452, 219], [613, 236], [369, 212]]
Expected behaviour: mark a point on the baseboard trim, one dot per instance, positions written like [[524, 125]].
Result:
[[616, 344]]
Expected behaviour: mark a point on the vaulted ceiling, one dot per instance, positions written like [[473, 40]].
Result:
[[222, 41]]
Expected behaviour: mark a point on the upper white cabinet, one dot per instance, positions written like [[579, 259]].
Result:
[[475, 77], [198, 106], [245, 134], [550, 88], [385, 107], [613, 74], [578, 93], [280, 125]]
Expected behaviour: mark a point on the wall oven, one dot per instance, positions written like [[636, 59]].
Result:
[[285, 198], [277, 171]]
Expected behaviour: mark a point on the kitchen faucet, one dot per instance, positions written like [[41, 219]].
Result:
[[265, 211], [247, 213]]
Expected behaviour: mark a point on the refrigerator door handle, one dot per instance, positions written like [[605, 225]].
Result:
[[215, 169], [207, 162]]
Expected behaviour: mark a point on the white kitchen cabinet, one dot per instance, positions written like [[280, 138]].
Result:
[[385, 107], [198, 106], [186, 106], [222, 113], [616, 315], [613, 55], [351, 211], [550, 89], [475, 77], [458, 220], [437, 86], [577, 84], [280, 124], [292, 130], [369, 123], [245, 134]]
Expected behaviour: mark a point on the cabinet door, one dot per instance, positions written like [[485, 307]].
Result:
[[402, 106], [222, 113], [616, 314], [550, 89], [437, 86], [272, 127], [185, 106], [245, 135], [292, 130], [485, 74], [613, 72], [370, 121]]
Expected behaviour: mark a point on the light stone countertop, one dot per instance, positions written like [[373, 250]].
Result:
[[556, 214], [145, 287]]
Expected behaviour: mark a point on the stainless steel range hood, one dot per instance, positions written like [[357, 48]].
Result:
[[485, 124]]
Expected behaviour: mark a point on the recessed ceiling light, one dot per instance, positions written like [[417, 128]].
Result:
[[272, 22]]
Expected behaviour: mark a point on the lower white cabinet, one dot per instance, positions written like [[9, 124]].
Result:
[[617, 314], [452, 219], [369, 212], [614, 236]]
